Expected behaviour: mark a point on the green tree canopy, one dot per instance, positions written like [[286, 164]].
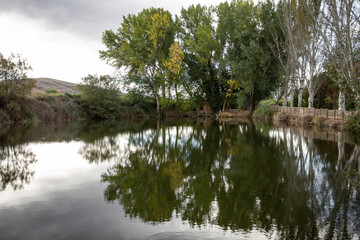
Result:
[[100, 96], [247, 54], [14, 82], [140, 47]]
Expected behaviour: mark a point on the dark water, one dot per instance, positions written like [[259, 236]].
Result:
[[177, 180]]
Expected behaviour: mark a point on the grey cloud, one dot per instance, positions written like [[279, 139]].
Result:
[[88, 18]]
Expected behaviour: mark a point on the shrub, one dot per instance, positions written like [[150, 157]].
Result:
[[307, 119], [280, 117], [4, 117], [268, 102], [319, 121], [352, 124], [264, 110], [51, 91]]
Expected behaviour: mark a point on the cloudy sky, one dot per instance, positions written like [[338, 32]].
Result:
[[61, 38]]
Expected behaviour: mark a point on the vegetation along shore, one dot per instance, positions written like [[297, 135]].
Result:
[[207, 60]]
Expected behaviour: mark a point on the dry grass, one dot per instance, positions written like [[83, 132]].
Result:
[[44, 84]]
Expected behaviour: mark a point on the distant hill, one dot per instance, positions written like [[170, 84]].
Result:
[[43, 84]]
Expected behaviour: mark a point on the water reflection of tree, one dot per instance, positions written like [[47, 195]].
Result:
[[237, 177], [15, 166]]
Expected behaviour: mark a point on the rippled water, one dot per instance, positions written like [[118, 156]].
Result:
[[185, 179]]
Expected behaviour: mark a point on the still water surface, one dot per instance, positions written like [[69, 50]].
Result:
[[177, 180]]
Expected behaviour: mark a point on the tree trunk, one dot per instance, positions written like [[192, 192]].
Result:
[[224, 105], [341, 100], [157, 104], [311, 98], [176, 94], [301, 90], [292, 92], [285, 101]]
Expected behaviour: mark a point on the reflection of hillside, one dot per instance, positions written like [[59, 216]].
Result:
[[15, 167], [237, 177]]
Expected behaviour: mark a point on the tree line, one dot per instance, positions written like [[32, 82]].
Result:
[[239, 53]]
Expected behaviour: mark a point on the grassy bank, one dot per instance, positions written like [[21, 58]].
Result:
[[42, 108]]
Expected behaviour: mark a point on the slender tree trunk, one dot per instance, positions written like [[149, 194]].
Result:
[[292, 92], [301, 91], [176, 94], [285, 101], [311, 98], [157, 105], [224, 105], [341, 100]]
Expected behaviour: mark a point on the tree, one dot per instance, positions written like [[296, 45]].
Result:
[[198, 38], [99, 95], [248, 56], [14, 82], [282, 44], [342, 44], [140, 48]]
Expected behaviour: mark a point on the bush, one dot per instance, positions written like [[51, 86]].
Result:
[[50, 91], [268, 102], [281, 102], [318, 121], [352, 124], [264, 110], [4, 117], [280, 117]]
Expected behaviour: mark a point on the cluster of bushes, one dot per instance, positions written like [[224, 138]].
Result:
[[264, 110], [352, 124], [45, 108], [101, 98]]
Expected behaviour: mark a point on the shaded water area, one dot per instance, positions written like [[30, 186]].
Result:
[[184, 179]]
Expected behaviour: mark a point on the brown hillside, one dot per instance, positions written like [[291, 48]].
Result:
[[43, 84]]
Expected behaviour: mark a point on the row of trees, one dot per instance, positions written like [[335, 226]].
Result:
[[238, 53], [195, 57], [321, 41]]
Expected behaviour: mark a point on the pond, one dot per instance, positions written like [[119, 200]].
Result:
[[188, 179]]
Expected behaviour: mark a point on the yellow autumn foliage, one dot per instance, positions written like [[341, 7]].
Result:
[[176, 56]]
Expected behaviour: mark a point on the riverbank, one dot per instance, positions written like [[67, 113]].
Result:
[[296, 120], [41, 108]]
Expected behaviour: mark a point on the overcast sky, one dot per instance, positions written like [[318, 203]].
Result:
[[61, 38]]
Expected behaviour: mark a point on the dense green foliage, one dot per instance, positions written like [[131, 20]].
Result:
[[142, 46], [217, 59], [14, 84], [264, 111], [352, 124], [247, 52], [100, 97]]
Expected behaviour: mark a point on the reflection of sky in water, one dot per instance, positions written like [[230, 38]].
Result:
[[65, 200]]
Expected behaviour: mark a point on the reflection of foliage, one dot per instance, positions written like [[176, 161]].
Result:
[[105, 149], [15, 162], [174, 171], [236, 176], [142, 189]]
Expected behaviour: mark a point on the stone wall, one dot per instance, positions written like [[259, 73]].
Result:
[[326, 113]]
